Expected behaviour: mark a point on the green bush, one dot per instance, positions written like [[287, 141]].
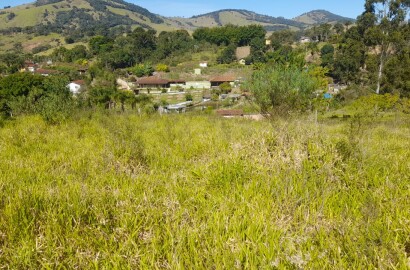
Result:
[[280, 90], [372, 105], [225, 87]]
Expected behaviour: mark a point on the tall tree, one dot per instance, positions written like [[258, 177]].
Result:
[[382, 20]]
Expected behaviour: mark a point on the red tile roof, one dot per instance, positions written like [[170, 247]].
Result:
[[79, 82], [45, 71], [224, 78], [152, 80], [177, 81]]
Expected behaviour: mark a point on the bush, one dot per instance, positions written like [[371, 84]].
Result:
[[372, 105], [189, 97], [225, 87], [162, 68], [280, 90], [141, 70]]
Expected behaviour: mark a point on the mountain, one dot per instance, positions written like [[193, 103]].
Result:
[[319, 17], [44, 24], [242, 17], [67, 15], [84, 14]]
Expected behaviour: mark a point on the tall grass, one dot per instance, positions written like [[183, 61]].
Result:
[[197, 192]]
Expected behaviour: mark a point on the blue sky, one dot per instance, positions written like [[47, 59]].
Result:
[[276, 8]]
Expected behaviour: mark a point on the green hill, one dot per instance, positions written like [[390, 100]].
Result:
[[319, 17]]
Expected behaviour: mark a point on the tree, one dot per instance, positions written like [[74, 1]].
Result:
[[227, 55], [327, 55], [141, 70], [381, 22], [339, 28], [24, 93], [102, 96]]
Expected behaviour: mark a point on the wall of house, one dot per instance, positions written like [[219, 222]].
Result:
[[198, 85]]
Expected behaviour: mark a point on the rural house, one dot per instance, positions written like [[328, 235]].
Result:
[[153, 82], [217, 81], [45, 72], [76, 86]]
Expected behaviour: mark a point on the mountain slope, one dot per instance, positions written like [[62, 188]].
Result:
[[234, 16], [319, 17], [44, 24], [87, 15], [84, 14]]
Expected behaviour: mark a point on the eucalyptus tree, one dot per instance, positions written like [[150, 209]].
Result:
[[381, 24]]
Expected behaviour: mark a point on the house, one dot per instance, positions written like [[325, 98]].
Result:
[[335, 88], [198, 85], [177, 84], [217, 81], [30, 66], [45, 72], [76, 86], [305, 40], [153, 82], [203, 64], [242, 62]]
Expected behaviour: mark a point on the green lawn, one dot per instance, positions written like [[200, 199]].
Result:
[[200, 192]]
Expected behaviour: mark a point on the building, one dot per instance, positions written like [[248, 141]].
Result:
[[305, 40], [203, 64], [30, 66], [153, 82], [217, 81], [198, 85], [76, 86], [45, 72], [335, 88], [177, 84]]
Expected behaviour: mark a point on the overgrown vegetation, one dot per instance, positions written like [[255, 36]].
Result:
[[113, 191], [98, 179]]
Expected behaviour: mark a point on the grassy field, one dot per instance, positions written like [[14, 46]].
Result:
[[200, 192]]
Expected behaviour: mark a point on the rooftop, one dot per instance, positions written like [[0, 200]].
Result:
[[152, 80], [224, 78]]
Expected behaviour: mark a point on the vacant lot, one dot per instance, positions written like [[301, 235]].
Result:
[[193, 192]]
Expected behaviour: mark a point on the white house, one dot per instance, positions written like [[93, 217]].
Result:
[[76, 86], [305, 40], [203, 64]]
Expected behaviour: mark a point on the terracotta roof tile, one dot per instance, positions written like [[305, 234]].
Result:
[[152, 80], [224, 78]]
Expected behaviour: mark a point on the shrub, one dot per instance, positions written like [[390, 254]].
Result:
[[162, 68], [189, 97], [280, 90], [225, 87], [372, 105]]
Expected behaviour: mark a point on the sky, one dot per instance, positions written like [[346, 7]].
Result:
[[285, 8]]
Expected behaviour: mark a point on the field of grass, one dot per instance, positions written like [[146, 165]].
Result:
[[200, 192]]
